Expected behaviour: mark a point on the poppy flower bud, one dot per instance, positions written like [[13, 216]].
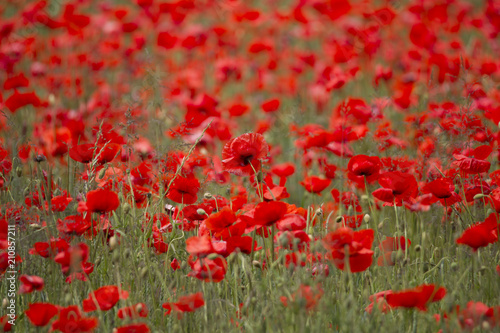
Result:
[[5, 303], [283, 240], [350, 210], [68, 298], [489, 212], [260, 177], [143, 272], [127, 253], [208, 195], [380, 225], [126, 208], [454, 266], [35, 226], [319, 212], [213, 256], [367, 218], [479, 196], [364, 198], [339, 219], [97, 262], [418, 248], [19, 171], [101, 173], [200, 211], [113, 243], [52, 99], [116, 257], [40, 158], [257, 264], [486, 325], [457, 189]]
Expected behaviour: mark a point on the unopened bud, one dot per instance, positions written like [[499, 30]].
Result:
[[208, 195], [213, 256], [257, 264], [19, 171], [40, 158], [200, 211], [126, 208], [367, 218], [35, 226], [143, 272], [319, 212], [479, 196], [113, 243], [418, 248], [339, 219], [101, 173], [5, 303]]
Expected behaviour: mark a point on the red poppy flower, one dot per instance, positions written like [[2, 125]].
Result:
[[306, 295], [242, 156], [397, 186], [102, 201], [73, 259], [183, 190], [220, 220], [105, 297], [388, 246], [208, 270], [443, 189], [265, 213], [132, 328], [271, 105], [188, 303], [480, 234], [199, 246], [5, 324], [134, 311], [470, 165], [361, 166], [314, 184], [70, 320], [418, 297], [30, 283], [18, 100], [40, 314], [356, 244], [86, 152]]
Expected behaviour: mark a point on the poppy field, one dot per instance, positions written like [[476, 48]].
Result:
[[249, 166]]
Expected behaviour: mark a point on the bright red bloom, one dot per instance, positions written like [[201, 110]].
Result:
[[70, 320], [470, 165], [443, 189], [242, 156], [220, 220], [132, 328], [30, 283], [266, 213], [40, 314], [134, 311], [315, 184], [188, 303], [480, 234], [271, 105], [74, 259], [86, 152], [199, 246], [183, 190], [208, 270], [418, 297], [361, 166], [397, 186], [102, 201], [355, 244], [105, 297], [306, 296]]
